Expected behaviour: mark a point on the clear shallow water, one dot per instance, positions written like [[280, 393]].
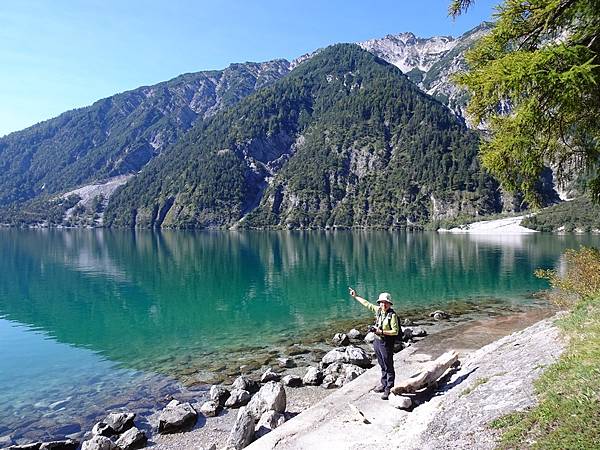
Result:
[[99, 319]]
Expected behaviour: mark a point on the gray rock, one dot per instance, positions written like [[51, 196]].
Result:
[[329, 382], [212, 446], [407, 334], [337, 355], [286, 362], [407, 323], [210, 408], [271, 397], [114, 423], [269, 375], [120, 422], [268, 422], [419, 332], [439, 315], [357, 356], [219, 394], [370, 337], [245, 384], [176, 417], [99, 443], [102, 429], [340, 339], [242, 432], [292, 381], [132, 439], [313, 377], [352, 372], [68, 444], [400, 402], [238, 397], [334, 369], [355, 334]]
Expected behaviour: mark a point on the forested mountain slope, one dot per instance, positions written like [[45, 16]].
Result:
[[120, 134], [344, 140]]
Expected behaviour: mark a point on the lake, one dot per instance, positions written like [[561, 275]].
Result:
[[92, 320]]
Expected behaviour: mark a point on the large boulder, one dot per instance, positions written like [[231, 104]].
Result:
[[268, 422], [176, 417], [292, 381], [269, 375], [419, 332], [271, 397], [132, 439], [242, 432], [246, 384], [99, 443], [67, 444], [210, 408], [329, 382], [338, 374], [340, 339], [238, 397], [313, 377], [219, 394]]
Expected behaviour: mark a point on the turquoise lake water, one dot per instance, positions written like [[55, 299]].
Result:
[[92, 320]]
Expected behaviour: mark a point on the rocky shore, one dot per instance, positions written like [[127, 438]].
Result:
[[304, 377]]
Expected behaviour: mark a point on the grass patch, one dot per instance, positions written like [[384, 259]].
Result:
[[568, 413], [474, 386]]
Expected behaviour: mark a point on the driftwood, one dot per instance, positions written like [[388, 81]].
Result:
[[432, 372]]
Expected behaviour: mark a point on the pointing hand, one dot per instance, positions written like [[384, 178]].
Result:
[[352, 292]]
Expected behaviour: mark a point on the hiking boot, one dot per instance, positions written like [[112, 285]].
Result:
[[379, 388], [385, 395]]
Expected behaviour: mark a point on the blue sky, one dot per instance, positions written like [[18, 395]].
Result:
[[57, 55]]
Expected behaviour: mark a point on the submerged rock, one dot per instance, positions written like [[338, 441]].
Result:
[[132, 439], [176, 417]]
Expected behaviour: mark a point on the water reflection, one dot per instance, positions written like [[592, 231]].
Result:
[[140, 297]]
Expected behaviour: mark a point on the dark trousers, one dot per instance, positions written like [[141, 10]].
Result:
[[384, 350]]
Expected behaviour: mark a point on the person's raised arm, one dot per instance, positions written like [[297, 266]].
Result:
[[362, 301]]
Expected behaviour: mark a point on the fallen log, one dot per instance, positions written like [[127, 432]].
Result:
[[431, 373]]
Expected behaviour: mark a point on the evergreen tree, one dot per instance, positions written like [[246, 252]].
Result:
[[535, 83]]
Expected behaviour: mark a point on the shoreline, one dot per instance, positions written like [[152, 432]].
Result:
[[467, 337], [464, 316]]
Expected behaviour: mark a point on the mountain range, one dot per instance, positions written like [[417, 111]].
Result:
[[368, 135]]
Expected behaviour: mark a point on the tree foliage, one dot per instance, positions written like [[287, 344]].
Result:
[[534, 82]]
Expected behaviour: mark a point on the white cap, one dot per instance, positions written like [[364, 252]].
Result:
[[385, 297]]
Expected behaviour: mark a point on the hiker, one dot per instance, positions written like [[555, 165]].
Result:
[[386, 331]]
